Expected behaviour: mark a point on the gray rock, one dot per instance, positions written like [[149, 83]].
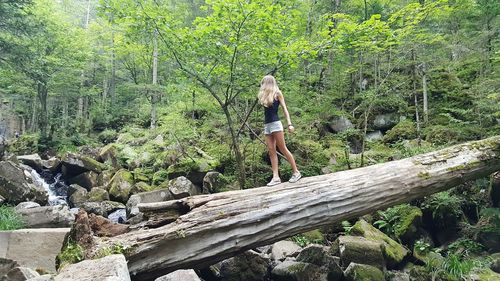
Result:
[[105, 177], [282, 249], [109, 268], [111, 206], [297, 271], [32, 160], [27, 205], [88, 180], [363, 272], [340, 124], [360, 250], [147, 197], [94, 208], [108, 154], [98, 194], [16, 186], [20, 274], [52, 164], [6, 264], [213, 182], [43, 244], [318, 255], [180, 275], [394, 275], [74, 164], [47, 216], [248, 266], [385, 121], [45, 277], [182, 187], [374, 136], [79, 195]]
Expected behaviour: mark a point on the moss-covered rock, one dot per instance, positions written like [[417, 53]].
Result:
[[246, 266], [292, 270], [104, 178], [394, 252], [121, 185], [98, 194], [363, 272], [109, 155], [361, 250], [487, 275], [74, 164], [407, 228], [403, 130], [195, 170], [315, 236]]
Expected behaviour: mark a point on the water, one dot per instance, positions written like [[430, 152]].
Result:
[[55, 186]]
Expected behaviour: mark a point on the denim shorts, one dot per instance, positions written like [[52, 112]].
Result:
[[272, 127]]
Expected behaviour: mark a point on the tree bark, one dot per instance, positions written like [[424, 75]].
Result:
[[210, 228], [154, 94]]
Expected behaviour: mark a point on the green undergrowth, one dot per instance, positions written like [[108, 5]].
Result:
[[10, 219]]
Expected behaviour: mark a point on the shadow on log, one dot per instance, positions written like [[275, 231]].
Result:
[[210, 228]]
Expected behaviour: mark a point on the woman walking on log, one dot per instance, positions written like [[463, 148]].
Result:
[[271, 97]]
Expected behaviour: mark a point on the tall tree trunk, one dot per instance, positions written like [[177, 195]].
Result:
[[236, 149], [414, 78], [43, 120], [424, 93], [34, 114], [112, 80], [205, 229], [154, 93]]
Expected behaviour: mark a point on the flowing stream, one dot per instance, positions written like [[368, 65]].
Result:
[[54, 185]]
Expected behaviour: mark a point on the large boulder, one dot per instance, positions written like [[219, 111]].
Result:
[[78, 195], [195, 171], [363, 272], [182, 187], [360, 250], [20, 274], [147, 197], [87, 180], [394, 252], [180, 275], [109, 268], [74, 164], [104, 178], [16, 185], [290, 270], [51, 164], [98, 194], [32, 160], [385, 121], [47, 216], [109, 155], [495, 264], [213, 182], [319, 255], [340, 124], [33, 248], [248, 266], [282, 249], [121, 185]]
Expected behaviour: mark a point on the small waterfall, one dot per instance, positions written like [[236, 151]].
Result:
[[56, 188]]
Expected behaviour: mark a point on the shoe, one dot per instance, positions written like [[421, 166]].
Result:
[[295, 177], [274, 182]]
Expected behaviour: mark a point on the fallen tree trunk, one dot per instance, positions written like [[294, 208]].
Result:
[[213, 227]]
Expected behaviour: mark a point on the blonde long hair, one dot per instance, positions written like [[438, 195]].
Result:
[[268, 90]]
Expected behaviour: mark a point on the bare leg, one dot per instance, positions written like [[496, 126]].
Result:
[[280, 143], [271, 147]]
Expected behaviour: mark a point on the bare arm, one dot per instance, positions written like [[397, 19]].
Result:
[[281, 99]]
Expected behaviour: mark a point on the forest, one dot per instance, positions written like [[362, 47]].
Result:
[[151, 90]]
